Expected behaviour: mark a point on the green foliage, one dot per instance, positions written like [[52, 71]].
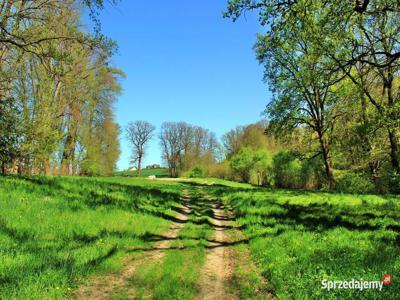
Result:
[[10, 130], [355, 183], [262, 165], [333, 69], [196, 172], [394, 183], [311, 174], [242, 163], [286, 170], [63, 86]]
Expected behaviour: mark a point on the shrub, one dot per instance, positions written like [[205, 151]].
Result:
[[355, 183], [242, 163], [394, 183], [196, 172], [219, 170], [287, 170], [312, 174]]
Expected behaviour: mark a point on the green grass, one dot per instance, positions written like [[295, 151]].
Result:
[[159, 173], [56, 231], [177, 275], [299, 238], [218, 182]]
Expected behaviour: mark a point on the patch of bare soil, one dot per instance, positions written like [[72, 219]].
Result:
[[104, 286], [218, 269]]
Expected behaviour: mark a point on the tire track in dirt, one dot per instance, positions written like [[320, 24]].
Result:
[[218, 269], [103, 287]]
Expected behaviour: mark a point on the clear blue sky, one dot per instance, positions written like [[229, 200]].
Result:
[[184, 62]]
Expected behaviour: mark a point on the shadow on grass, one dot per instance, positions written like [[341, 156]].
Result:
[[321, 217]]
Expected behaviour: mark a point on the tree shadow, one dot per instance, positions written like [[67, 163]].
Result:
[[320, 217]]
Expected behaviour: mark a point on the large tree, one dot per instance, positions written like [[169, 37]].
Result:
[[63, 85], [360, 38], [139, 133], [172, 145]]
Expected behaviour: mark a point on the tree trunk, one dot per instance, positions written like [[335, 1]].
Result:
[[366, 143], [3, 168], [46, 167], [394, 144], [139, 165], [394, 150], [327, 160], [68, 157]]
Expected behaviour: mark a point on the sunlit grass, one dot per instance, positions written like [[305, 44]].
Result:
[[299, 238], [56, 231], [176, 276]]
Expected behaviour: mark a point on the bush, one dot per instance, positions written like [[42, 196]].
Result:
[[262, 168], [242, 163], [196, 172], [287, 170], [394, 183], [219, 170], [312, 174], [355, 183]]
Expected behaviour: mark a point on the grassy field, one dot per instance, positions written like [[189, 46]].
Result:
[[300, 238], [159, 173], [57, 232]]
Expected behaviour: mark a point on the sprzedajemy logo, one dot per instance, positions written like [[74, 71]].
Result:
[[387, 279], [357, 284]]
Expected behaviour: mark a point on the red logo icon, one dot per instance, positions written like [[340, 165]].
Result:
[[387, 279]]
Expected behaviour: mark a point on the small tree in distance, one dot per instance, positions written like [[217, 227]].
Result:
[[138, 134]]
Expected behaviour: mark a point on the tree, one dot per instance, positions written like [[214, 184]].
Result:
[[242, 164], [232, 141], [361, 38], [262, 161], [62, 83], [139, 133], [9, 133], [172, 146], [185, 146], [299, 75]]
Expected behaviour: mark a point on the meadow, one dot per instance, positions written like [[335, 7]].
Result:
[[159, 173], [57, 232], [299, 238]]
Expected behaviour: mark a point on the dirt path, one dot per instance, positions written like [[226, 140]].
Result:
[[219, 277], [103, 287], [218, 269]]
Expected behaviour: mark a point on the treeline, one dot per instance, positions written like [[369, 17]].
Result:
[[251, 154], [57, 90], [187, 150], [334, 70]]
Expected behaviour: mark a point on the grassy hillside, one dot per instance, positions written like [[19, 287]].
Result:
[[159, 173]]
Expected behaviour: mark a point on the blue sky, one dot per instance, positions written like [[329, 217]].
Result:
[[184, 62]]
